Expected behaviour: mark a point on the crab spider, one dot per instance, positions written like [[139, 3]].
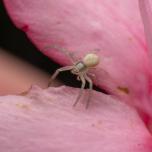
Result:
[[80, 69]]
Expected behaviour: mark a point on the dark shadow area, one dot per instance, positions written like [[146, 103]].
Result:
[[16, 43]]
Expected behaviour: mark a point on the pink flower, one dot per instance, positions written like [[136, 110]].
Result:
[[44, 120]]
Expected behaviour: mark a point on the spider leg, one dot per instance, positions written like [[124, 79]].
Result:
[[66, 52], [81, 89], [90, 90], [57, 72]]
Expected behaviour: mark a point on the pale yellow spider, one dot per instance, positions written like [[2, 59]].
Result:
[[80, 68]]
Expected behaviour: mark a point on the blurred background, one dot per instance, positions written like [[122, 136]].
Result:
[[15, 42]]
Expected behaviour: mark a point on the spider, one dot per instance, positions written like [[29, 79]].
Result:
[[80, 69]]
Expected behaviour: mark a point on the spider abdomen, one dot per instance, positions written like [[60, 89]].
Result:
[[91, 60]]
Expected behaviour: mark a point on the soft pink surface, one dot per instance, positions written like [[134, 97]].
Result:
[[146, 12], [113, 27], [44, 121]]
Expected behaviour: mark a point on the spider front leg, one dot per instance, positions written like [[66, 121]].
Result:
[[57, 72], [90, 90], [81, 90]]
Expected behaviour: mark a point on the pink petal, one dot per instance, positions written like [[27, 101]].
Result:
[[113, 27], [44, 121], [146, 13]]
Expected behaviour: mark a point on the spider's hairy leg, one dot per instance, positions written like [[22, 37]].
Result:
[[81, 89], [90, 90], [63, 50], [66, 68]]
